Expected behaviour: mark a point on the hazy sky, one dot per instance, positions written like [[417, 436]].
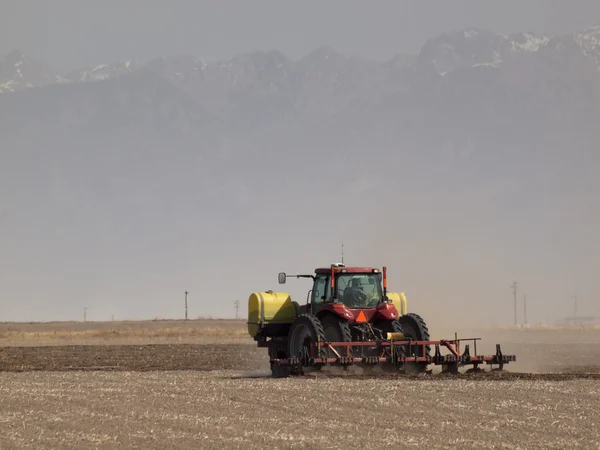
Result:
[[69, 34], [456, 242]]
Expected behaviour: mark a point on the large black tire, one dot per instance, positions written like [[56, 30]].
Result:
[[336, 329], [414, 327], [278, 349], [278, 371], [305, 331]]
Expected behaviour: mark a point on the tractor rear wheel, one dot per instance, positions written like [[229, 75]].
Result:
[[414, 327], [336, 329], [306, 330]]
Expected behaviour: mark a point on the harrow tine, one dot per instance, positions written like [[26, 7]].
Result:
[[438, 355], [466, 356], [333, 349], [499, 358]]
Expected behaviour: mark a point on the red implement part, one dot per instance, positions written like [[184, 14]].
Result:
[[386, 311], [392, 352]]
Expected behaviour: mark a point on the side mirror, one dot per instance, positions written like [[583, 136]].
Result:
[[281, 278]]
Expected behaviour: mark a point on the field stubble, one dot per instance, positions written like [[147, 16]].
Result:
[[169, 395], [228, 409]]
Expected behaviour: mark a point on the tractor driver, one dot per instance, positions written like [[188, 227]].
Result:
[[355, 295]]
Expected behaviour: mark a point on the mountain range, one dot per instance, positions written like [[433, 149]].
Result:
[[470, 99], [452, 67], [460, 83]]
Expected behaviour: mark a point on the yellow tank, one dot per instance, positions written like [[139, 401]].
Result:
[[399, 301], [270, 313]]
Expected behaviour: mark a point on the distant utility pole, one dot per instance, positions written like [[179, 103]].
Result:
[[237, 307], [514, 288], [85, 308], [525, 308], [186, 315]]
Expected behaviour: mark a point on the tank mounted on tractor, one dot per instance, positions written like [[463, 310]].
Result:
[[351, 318]]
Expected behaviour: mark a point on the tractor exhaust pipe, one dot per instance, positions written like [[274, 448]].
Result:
[[333, 292], [385, 283]]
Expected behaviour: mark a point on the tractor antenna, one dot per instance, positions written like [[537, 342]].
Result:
[[342, 251], [384, 282]]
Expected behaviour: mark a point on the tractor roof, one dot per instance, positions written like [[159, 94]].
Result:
[[341, 268]]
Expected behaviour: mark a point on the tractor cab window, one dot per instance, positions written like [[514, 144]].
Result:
[[321, 289], [359, 290]]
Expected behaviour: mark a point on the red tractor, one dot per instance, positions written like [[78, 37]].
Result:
[[349, 318]]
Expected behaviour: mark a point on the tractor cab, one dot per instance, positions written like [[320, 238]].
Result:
[[345, 291], [354, 287]]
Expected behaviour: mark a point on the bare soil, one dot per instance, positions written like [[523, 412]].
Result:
[[130, 357], [210, 357], [114, 386]]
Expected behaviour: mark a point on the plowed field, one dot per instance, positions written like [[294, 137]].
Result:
[[130, 357], [231, 409], [205, 395]]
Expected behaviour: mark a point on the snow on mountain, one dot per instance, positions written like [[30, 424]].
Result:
[[459, 49], [577, 53], [8, 86], [18, 72], [477, 48], [526, 42], [589, 41], [103, 71]]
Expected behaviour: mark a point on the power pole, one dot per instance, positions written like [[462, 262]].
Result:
[[525, 308], [237, 307], [186, 309], [85, 308], [514, 288]]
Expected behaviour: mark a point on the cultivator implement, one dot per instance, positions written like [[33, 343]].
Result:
[[397, 354]]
